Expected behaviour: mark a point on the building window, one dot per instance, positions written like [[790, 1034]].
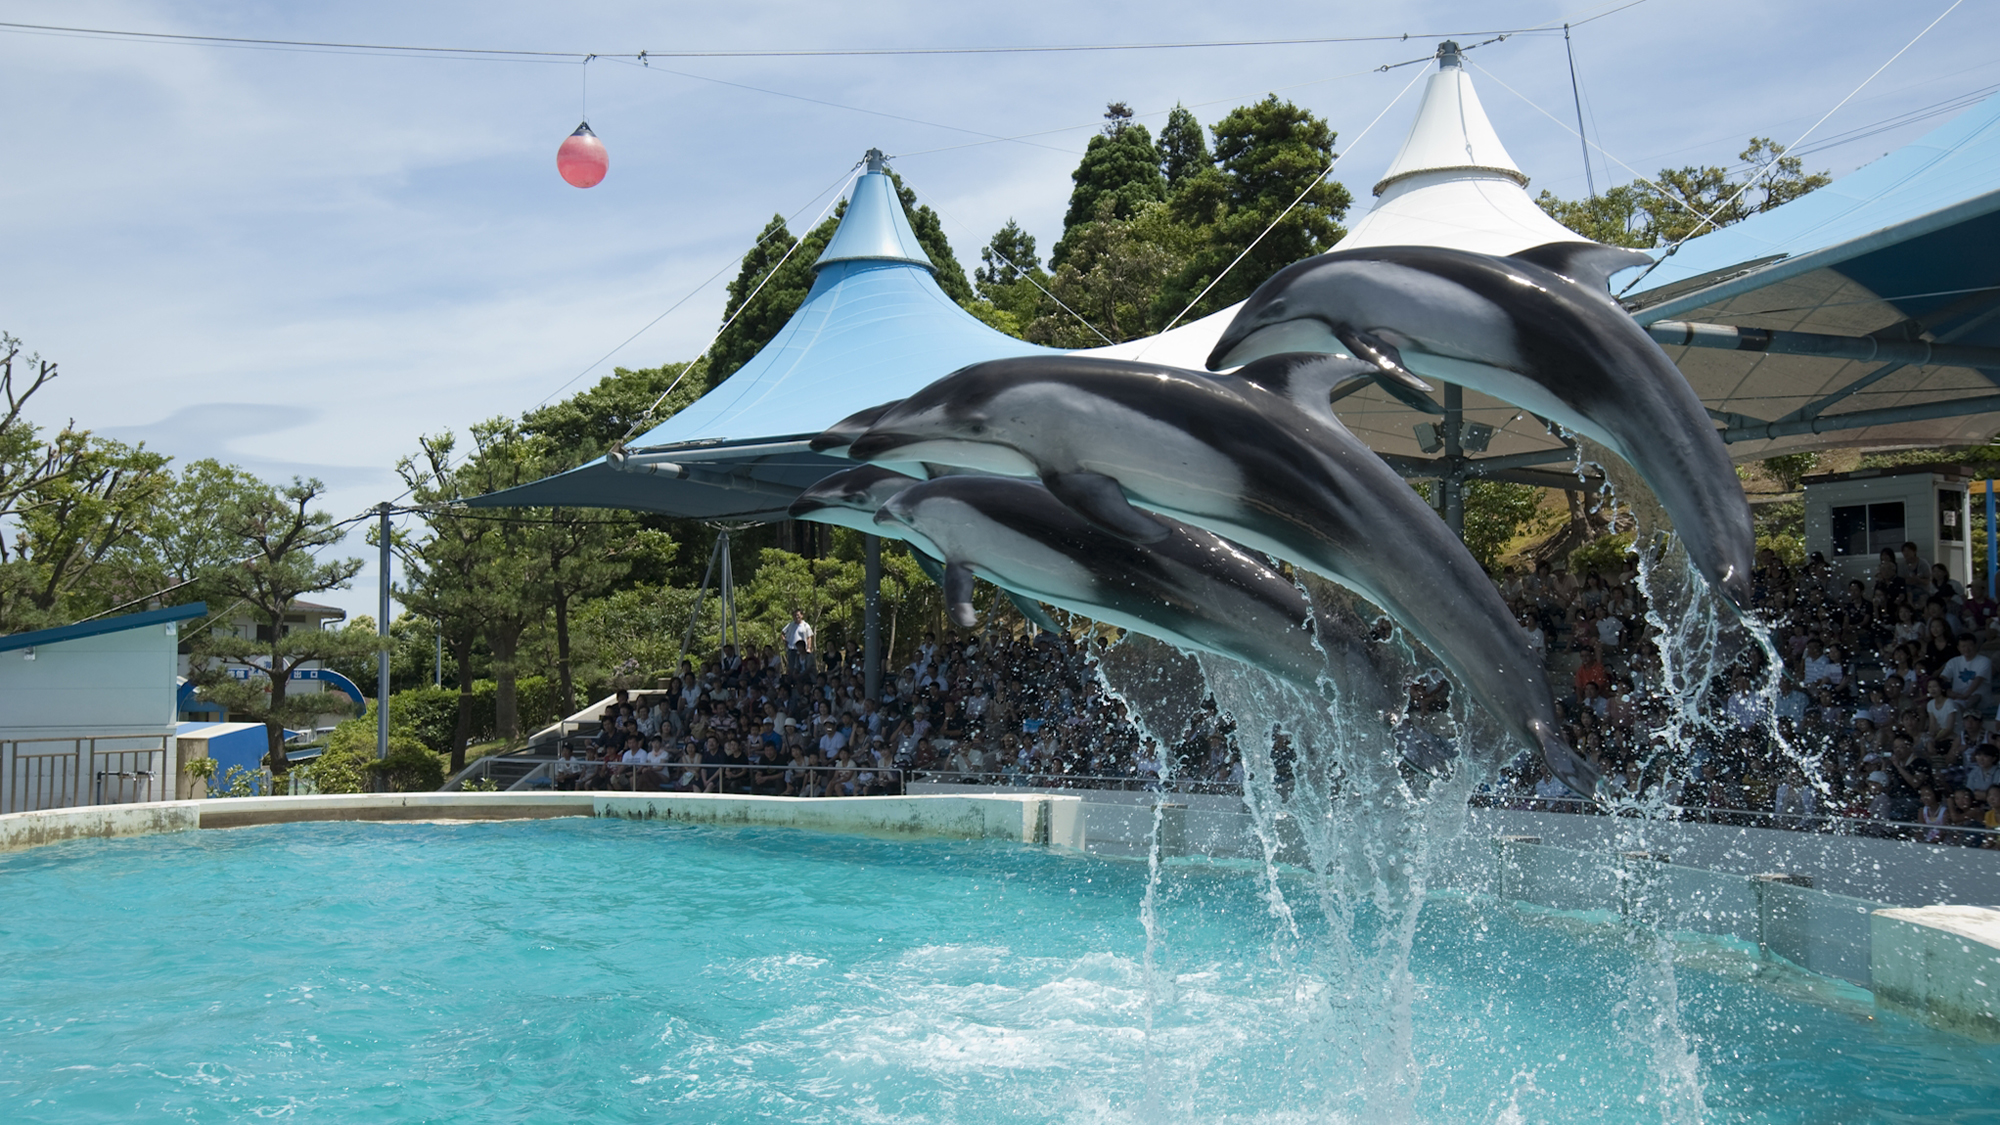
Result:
[[1951, 504], [1864, 529]]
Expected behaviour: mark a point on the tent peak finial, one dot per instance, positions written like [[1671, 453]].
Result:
[[875, 227], [1449, 55]]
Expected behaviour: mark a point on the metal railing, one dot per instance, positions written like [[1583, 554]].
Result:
[[63, 773], [618, 777]]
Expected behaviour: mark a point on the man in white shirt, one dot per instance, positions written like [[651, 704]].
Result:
[[1969, 674], [1822, 666], [831, 743], [797, 633]]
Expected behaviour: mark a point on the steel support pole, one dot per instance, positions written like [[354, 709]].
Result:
[[382, 657], [871, 634], [1452, 483]]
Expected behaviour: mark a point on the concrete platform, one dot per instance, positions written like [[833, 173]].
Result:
[[1054, 821]]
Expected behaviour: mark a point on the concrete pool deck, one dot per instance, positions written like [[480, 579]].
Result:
[[1055, 821]]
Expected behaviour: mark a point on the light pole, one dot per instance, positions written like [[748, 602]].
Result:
[[382, 657]]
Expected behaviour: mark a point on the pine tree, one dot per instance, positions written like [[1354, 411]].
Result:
[[1183, 148], [1267, 156], [1119, 163], [1008, 257]]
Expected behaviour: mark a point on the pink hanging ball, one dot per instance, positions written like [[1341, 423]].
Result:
[[582, 159]]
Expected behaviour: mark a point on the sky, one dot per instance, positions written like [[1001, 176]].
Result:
[[302, 261]]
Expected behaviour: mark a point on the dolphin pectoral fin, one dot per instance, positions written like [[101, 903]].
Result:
[[1101, 500], [1033, 611], [1589, 264], [1395, 377], [958, 594]]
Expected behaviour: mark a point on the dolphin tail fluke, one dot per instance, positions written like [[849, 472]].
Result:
[[1101, 500], [958, 594], [1589, 264]]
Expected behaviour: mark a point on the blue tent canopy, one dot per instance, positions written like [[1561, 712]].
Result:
[[874, 327]]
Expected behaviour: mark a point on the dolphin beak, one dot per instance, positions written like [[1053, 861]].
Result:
[[804, 506], [873, 446], [829, 443]]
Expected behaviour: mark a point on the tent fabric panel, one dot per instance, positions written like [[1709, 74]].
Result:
[[867, 332]]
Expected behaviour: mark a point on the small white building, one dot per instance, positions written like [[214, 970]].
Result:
[[1852, 517], [87, 711]]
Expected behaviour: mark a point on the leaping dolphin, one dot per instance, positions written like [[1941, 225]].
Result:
[[851, 497], [1259, 459], [1539, 330], [1192, 589]]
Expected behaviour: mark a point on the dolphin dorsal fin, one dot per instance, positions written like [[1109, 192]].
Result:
[[1308, 379], [1589, 264]]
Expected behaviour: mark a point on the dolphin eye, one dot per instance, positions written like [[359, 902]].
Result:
[[976, 428]]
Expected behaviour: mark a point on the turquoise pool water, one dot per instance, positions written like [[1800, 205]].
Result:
[[583, 971]]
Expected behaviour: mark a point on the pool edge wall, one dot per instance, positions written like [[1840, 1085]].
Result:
[[1054, 821]]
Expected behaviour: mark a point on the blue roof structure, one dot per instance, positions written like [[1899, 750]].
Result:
[[1942, 180], [97, 627], [874, 327], [1901, 250]]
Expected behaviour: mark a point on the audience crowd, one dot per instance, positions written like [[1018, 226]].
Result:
[[1881, 722], [1884, 709]]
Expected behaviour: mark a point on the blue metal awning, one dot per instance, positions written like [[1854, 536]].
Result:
[[99, 626]]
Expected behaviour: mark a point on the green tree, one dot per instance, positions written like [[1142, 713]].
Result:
[[1120, 165], [581, 427], [445, 566], [1647, 216], [277, 536], [80, 541], [1614, 217], [1011, 281], [1114, 270], [1008, 257], [1183, 148], [73, 509], [1267, 156]]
